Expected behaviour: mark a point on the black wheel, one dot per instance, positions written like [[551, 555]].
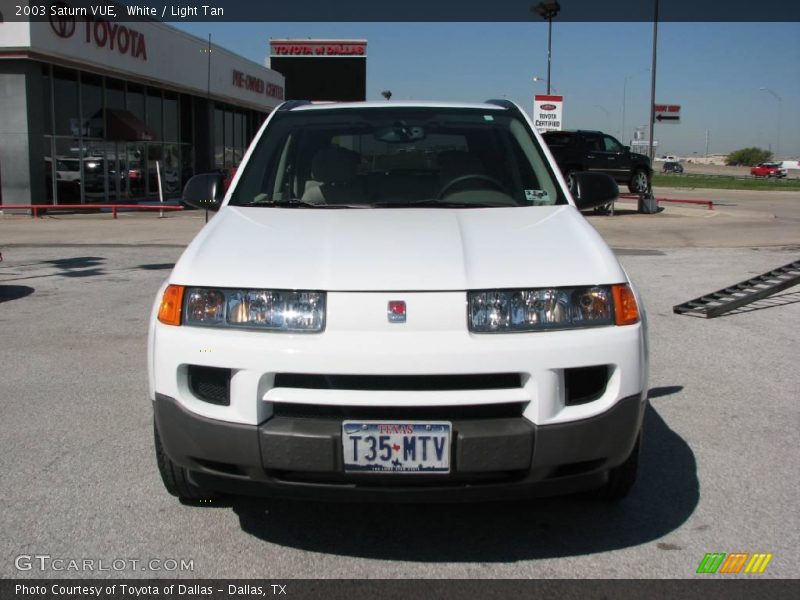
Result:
[[569, 176], [621, 478], [639, 182], [175, 477]]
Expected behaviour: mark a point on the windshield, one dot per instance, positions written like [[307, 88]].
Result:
[[397, 157]]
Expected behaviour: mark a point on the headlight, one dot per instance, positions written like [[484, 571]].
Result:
[[273, 310], [509, 311]]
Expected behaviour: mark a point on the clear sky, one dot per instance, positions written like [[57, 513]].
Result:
[[713, 70]]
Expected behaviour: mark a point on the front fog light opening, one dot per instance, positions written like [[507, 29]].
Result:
[[585, 384]]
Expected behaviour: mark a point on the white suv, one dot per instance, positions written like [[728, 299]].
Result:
[[399, 301]]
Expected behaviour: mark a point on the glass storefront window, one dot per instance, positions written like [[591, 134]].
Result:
[[228, 138], [47, 102], [134, 179], [155, 153], [135, 101], [115, 94], [154, 114], [48, 169], [68, 170], [171, 123], [238, 143], [171, 171], [187, 163], [219, 142], [65, 88], [92, 122], [186, 119]]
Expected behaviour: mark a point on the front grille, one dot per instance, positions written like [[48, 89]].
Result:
[[415, 383], [210, 384], [400, 413]]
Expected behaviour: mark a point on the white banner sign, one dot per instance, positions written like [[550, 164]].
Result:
[[547, 113]]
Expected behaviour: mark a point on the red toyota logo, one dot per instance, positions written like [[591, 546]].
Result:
[[63, 27], [547, 106]]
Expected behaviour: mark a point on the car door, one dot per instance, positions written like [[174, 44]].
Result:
[[596, 158], [618, 158]]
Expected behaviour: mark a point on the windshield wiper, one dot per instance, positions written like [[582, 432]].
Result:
[[435, 204], [298, 203]]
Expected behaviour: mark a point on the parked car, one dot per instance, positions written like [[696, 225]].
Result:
[[768, 170], [672, 167], [449, 328], [598, 152]]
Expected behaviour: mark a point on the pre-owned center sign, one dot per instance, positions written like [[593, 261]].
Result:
[[547, 111]]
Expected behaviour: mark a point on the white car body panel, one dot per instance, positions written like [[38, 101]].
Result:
[[397, 249]]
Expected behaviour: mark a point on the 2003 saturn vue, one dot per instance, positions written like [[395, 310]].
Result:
[[398, 301]]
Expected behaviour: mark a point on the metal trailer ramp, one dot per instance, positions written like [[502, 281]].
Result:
[[728, 299]]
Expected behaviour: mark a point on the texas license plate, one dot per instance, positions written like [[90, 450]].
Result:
[[396, 447]]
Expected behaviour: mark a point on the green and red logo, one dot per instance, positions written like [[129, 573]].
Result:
[[732, 564]]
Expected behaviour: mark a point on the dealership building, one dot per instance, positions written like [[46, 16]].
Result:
[[100, 111]]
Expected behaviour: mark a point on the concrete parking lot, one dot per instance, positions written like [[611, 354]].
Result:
[[719, 471]]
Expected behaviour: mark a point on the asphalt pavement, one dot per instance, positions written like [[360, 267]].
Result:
[[718, 474]]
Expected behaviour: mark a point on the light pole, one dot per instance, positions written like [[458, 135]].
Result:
[[653, 79], [547, 81], [547, 10], [780, 102]]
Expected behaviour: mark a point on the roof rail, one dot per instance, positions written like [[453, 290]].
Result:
[[508, 105], [290, 104], [502, 102]]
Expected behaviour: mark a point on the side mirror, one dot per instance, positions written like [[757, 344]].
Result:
[[594, 189], [204, 191]]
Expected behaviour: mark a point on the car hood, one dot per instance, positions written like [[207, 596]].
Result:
[[397, 249]]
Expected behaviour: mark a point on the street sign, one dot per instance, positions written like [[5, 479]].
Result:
[[667, 113], [547, 111]]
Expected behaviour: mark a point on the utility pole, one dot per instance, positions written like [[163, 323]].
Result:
[[653, 77], [547, 9], [706, 143], [780, 102]]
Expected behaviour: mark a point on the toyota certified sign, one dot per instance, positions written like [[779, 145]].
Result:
[[547, 112]]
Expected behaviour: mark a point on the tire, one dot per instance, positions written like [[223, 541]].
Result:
[[175, 477], [621, 478], [640, 183], [569, 177]]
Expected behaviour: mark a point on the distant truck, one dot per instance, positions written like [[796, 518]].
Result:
[[790, 164], [598, 152]]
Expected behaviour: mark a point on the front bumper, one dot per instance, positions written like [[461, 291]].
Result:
[[491, 458]]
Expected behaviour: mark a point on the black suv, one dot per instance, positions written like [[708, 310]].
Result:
[[596, 151]]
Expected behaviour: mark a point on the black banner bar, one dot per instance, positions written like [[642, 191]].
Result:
[[709, 587], [405, 10]]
